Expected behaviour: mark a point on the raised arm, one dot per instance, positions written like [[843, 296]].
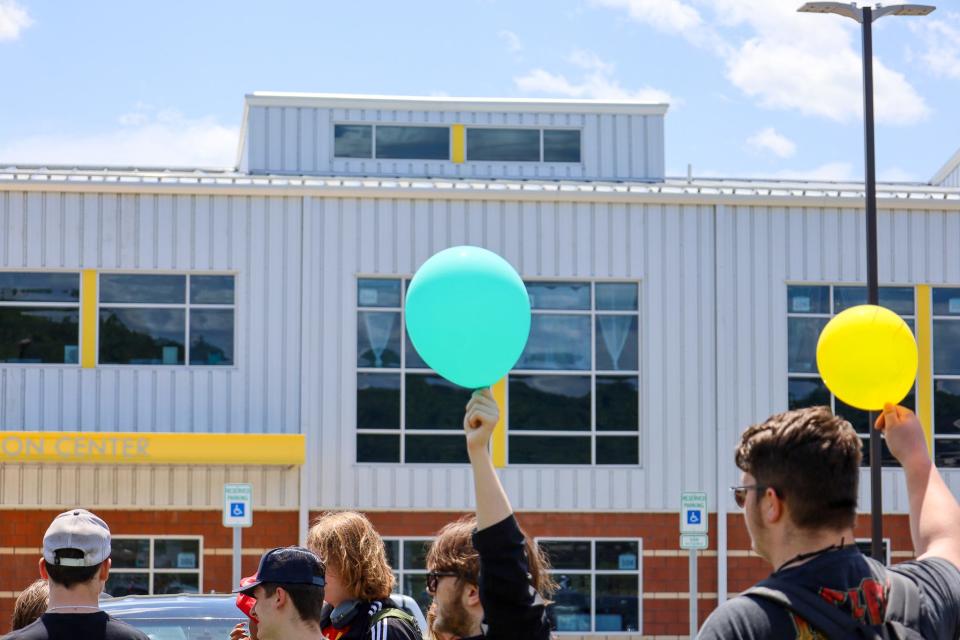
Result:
[[934, 512], [480, 419]]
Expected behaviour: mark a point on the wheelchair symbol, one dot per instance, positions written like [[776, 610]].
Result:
[[693, 517], [237, 509]]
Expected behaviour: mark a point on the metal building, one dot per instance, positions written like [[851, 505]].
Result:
[[163, 332]]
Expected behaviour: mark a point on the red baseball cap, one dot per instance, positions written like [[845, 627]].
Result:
[[244, 602]]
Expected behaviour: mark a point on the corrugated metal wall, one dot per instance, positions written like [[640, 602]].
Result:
[[760, 249], [257, 238], [300, 140], [952, 179], [668, 248]]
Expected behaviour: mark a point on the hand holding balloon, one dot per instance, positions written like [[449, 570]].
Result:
[[480, 419]]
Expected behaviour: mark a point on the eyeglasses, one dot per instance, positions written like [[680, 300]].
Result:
[[740, 493], [433, 578]]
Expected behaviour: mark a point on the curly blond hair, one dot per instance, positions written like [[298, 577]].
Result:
[[348, 542]]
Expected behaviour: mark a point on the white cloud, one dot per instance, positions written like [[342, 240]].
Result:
[[512, 40], [13, 20], [598, 82], [942, 40], [784, 59], [145, 137], [769, 140], [896, 174], [830, 172]]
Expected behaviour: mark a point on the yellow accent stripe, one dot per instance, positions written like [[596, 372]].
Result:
[[925, 361], [459, 143], [88, 319], [100, 447], [499, 439]]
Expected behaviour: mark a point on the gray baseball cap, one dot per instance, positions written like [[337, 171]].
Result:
[[81, 530]]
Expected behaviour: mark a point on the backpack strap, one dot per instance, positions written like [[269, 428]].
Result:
[[391, 612]]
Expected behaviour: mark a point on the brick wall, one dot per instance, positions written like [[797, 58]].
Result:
[[665, 566]]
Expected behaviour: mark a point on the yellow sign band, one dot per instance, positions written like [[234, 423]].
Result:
[[925, 361], [98, 447], [458, 132]]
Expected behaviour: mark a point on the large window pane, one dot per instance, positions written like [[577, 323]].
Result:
[[618, 450], [378, 401], [887, 459], [549, 450], [167, 583], [617, 603], [415, 586], [897, 299], [620, 555], [378, 339], [211, 336], [413, 143], [802, 337], [567, 554], [39, 335], [438, 449], [211, 289], [415, 554], [557, 342], [617, 343], [378, 293], [19, 286], [503, 145], [617, 296], [807, 299], [414, 361], [435, 403], [142, 289], [570, 610], [378, 447], [946, 302], [946, 347], [618, 403], [550, 403], [564, 296], [127, 584], [392, 548], [561, 145], [859, 418], [353, 141], [127, 553], [946, 407], [176, 554], [947, 453], [807, 392], [142, 336]]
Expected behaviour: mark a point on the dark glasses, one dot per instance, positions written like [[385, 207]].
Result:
[[433, 578], [740, 493]]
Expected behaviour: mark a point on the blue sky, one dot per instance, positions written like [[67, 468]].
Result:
[[756, 89]]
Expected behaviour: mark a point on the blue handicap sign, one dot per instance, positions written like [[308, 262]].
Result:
[[237, 509], [693, 516]]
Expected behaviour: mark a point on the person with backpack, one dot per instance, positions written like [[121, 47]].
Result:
[[359, 581], [798, 491]]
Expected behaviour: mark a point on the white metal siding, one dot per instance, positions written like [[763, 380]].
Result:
[[760, 250], [952, 179], [668, 248], [299, 140]]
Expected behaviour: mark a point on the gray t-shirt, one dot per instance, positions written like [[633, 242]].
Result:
[[855, 584], [72, 626]]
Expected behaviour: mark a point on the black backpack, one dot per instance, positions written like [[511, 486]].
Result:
[[903, 599]]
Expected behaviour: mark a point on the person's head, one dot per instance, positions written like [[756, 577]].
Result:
[[453, 566], [353, 552], [801, 471], [30, 604], [288, 593], [76, 552]]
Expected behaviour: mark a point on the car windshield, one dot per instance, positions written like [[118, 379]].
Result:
[[185, 629]]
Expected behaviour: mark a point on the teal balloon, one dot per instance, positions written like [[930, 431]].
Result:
[[468, 315]]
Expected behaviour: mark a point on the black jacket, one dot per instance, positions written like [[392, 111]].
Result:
[[360, 629]]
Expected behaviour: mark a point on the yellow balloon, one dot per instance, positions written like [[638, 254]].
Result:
[[867, 356]]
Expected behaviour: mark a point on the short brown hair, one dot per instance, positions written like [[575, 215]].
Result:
[[30, 605], [307, 599], [453, 551], [347, 541], [812, 459]]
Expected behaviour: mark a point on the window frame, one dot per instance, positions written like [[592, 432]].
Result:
[[373, 140], [152, 570], [78, 306], [593, 313], [186, 306], [593, 572], [943, 376], [832, 313]]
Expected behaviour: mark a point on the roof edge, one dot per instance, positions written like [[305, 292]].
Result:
[[946, 169], [446, 103]]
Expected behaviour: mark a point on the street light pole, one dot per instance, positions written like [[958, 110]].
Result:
[[865, 16]]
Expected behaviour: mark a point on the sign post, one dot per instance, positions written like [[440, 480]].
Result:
[[237, 514], [693, 536]]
